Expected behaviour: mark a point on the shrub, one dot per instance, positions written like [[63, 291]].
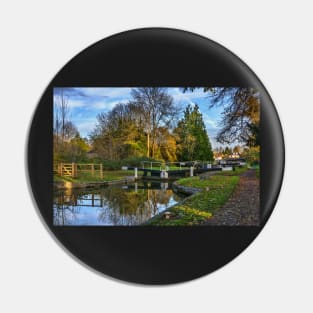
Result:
[[137, 161]]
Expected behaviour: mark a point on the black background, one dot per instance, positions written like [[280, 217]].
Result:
[[154, 57]]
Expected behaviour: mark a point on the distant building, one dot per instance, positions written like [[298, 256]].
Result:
[[232, 162]]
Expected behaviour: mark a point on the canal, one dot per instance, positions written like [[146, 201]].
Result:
[[125, 205]]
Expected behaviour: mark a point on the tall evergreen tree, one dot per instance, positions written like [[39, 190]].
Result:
[[241, 113], [192, 138]]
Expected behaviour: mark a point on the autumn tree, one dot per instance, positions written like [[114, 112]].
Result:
[[252, 155], [156, 108], [166, 147], [119, 133], [140, 127], [78, 147]]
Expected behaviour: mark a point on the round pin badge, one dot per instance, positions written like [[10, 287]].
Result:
[[155, 156]]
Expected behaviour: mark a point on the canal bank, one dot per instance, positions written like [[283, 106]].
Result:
[[199, 196], [208, 196], [62, 183]]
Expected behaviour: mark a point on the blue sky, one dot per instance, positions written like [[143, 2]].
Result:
[[85, 103]]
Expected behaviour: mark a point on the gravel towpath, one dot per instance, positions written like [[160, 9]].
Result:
[[243, 207]]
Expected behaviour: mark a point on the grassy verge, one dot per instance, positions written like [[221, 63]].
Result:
[[201, 206], [238, 171], [84, 177]]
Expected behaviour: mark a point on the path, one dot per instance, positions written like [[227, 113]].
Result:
[[242, 208]]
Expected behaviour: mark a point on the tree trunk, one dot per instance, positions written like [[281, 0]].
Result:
[[148, 144]]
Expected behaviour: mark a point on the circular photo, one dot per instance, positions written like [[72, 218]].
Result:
[[155, 156]]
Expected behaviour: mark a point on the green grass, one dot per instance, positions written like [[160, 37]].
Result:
[[182, 215], [201, 206], [236, 172], [84, 177]]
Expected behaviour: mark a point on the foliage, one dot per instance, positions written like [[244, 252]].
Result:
[[137, 161], [192, 138], [166, 148], [182, 215], [252, 155], [156, 109], [146, 127], [241, 113], [140, 127], [130, 162], [118, 134], [68, 146]]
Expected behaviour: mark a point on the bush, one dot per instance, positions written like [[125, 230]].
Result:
[[130, 162], [137, 161], [111, 164], [117, 164]]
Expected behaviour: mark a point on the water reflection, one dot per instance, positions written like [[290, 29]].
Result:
[[131, 204]]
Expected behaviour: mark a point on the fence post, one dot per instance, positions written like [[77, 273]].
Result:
[[101, 171], [136, 187], [73, 169], [191, 171], [61, 169], [92, 169], [136, 173]]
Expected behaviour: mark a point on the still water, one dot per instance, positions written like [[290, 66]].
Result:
[[131, 204]]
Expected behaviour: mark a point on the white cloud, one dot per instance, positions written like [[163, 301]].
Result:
[[76, 103], [112, 92], [188, 96], [71, 103], [209, 121], [106, 104]]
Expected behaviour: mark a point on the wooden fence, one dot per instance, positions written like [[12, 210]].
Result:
[[73, 169]]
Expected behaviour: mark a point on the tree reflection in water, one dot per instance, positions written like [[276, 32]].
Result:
[[115, 205]]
